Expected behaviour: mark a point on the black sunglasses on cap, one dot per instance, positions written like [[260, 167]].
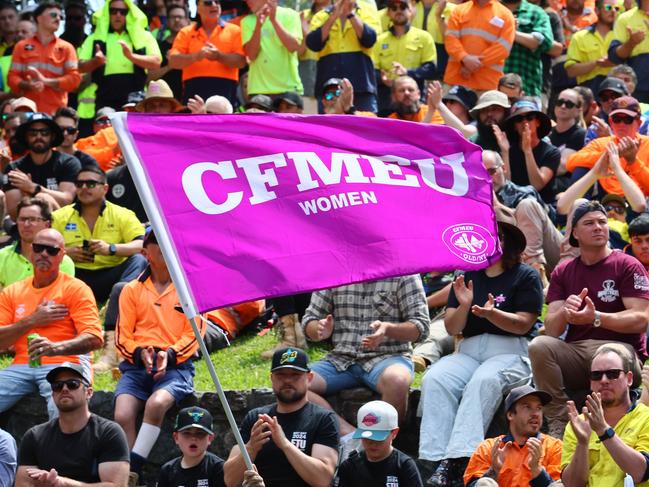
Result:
[[71, 384], [50, 249], [610, 374]]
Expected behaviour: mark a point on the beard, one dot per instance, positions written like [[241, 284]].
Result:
[[39, 147], [289, 396], [406, 108]]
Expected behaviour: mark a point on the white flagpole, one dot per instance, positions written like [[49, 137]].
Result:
[[173, 264]]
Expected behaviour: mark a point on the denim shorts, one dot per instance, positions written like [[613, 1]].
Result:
[[178, 381], [355, 376]]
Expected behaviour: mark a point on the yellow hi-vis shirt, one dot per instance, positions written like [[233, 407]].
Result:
[[411, 50], [588, 45]]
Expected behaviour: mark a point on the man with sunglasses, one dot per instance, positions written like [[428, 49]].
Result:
[[608, 444], [60, 309], [34, 215], [103, 239], [633, 148], [567, 135], [599, 297], [587, 57], [78, 447], [68, 121], [42, 172], [44, 67], [609, 89], [118, 52]]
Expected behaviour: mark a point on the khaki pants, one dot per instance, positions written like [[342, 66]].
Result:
[[543, 239]]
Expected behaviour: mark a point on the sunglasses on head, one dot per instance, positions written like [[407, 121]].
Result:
[[610, 374], [528, 117], [115, 11], [71, 384], [70, 130], [43, 132], [609, 96], [625, 119], [88, 183], [617, 209], [50, 249], [330, 95], [566, 103], [398, 6], [610, 8]]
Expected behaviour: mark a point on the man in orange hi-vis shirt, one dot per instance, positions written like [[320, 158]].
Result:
[[624, 120], [158, 345], [479, 36], [56, 306], [44, 68]]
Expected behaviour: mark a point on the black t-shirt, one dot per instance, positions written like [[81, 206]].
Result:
[[545, 155], [573, 138], [174, 77], [516, 289], [398, 470], [122, 191], [86, 160], [59, 168], [208, 473], [76, 455], [305, 427]]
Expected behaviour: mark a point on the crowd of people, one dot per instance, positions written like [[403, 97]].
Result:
[[556, 93]]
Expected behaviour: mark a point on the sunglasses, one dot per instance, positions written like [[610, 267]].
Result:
[[71, 384], [330, 95], [625, 119], [617, 209], [70, 130], [211, 3], [88, 183], [103, 121], [43, 132], [398, 6], [56, 15], [610, 374], [528, 117], [566, 103], [493, 170], [609, 96], [115, 11], [29, 219], [610, 8], [50, 249]]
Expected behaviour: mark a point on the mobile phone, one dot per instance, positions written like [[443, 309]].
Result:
[[86, 248]]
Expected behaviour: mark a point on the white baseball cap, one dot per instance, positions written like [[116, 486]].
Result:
[[376, 420]]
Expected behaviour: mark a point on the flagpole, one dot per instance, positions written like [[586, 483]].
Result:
[[119, 122]]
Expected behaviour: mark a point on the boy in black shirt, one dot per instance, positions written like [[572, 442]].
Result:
[[379, 463]]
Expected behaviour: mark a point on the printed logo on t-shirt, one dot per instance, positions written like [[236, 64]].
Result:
[[51, 184], [500, 299], [203, 483], [299, 439], [118, 190], [20, 310], [391, 481], [640, 282], [608, 294], [71, 226]]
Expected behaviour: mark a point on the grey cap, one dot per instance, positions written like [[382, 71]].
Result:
[[520, 392], [76, 368]]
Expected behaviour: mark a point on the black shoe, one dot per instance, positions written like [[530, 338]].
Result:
[[456, 474], [441, 477]]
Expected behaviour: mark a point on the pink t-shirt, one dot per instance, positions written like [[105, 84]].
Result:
[[617, 276]]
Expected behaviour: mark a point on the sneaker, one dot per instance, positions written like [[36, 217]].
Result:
[[419, 362], [441, 476]]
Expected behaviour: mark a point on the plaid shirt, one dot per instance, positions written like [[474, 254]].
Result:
[[355, 306], [526, 63]]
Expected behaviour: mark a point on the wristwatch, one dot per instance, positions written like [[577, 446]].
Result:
[[597, 322], [608, 434], [351, 15], [37, 190], [112, 249]]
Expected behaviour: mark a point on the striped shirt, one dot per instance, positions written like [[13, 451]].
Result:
[[354, 307]]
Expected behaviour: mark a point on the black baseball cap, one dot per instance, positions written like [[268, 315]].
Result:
[[263, 102], [290, 358], [580, 211], [194, 417], [331, 82], [462, 95], [290, 97], [612, 84], [520, 392]]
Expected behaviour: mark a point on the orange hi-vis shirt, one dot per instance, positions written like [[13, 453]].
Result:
[[486, 31], [588, 18], [233, 319], [57, 59], [103, 146], [20, 300], [515, 471], [147, 318], [638, 171], [226, 37], [419, 116]]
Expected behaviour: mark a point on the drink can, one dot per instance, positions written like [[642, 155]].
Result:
[[30, 338]]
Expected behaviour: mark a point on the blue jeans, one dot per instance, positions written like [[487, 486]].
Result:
[[461, 393]]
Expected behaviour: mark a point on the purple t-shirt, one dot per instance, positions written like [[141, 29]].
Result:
[[617, 276]]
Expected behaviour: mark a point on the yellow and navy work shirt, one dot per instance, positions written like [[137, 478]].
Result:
[[632, 429], [115, 225], [637, 20], [589, 45], [411, 50]]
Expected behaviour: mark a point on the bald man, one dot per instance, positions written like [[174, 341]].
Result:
[[57, 311]]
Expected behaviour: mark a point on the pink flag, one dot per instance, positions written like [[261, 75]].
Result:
[[260, 206]]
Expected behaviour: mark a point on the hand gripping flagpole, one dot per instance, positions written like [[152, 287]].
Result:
[[173, 264]]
